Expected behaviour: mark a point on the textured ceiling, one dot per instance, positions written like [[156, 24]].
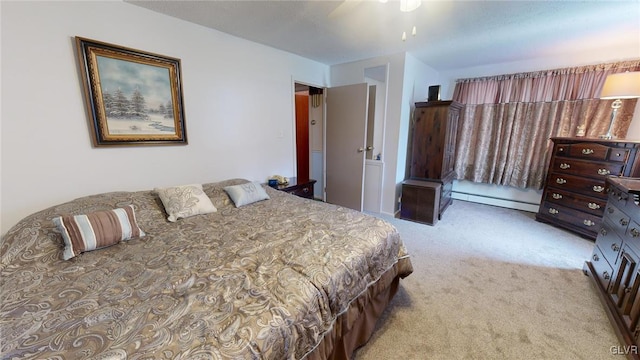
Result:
[[450, 34]]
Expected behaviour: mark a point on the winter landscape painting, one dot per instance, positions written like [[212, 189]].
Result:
[[134, 97]]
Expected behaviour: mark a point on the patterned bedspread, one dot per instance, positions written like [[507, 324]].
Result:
[[263, 281]]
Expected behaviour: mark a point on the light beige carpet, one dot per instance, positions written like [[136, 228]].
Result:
[[492, 283]]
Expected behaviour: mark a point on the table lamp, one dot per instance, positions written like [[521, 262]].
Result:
[[619, 86]]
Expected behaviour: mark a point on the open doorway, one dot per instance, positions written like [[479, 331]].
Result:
[[309, 112]]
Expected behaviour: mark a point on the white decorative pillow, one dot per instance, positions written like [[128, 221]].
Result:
[[99, 229], [184, 201], [245, 194]]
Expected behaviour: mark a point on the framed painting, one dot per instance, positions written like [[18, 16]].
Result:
[[133, 97]]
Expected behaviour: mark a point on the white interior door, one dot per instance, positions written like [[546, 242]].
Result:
[[346, 129]]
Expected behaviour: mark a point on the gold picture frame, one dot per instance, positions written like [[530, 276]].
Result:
[[133, 97]]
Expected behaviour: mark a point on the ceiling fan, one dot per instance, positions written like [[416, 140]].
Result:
[[345, 7], [349, 5]]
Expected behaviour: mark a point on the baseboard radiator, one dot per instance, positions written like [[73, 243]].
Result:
[[496, 201]]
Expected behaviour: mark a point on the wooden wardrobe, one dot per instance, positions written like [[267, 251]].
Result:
[[432, 155]]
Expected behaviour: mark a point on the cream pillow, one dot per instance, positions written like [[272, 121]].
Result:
[[184, 201], [245, 194]]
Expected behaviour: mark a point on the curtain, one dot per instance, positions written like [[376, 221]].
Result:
[[507, 121]]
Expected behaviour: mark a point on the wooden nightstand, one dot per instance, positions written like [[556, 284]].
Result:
[[303, 189]]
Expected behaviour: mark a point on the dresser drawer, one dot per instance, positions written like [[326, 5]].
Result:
[[632, 235], [619, 155], [562, 149], [603, 270], [618, 219], [586, 186], [577, 179], [585, 221], [580, 202], [591, 151], [617, 197], [609, 242], [631, 208], [592, 169]]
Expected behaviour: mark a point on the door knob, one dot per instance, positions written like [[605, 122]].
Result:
[[361, 150], [369, 148]]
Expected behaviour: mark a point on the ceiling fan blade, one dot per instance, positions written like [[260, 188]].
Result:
[[344, 8]]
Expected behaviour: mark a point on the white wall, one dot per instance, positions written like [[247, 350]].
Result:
[[353, 73], [407, 83], [417, 79], [238, 98], [380, 103], [316, 115]]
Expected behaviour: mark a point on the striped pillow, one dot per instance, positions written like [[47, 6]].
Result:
[[97, 230]]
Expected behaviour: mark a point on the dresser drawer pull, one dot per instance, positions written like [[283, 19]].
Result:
[[553, 211], [593, 206], [603, 172], [556, 196], [588, 222], [564, 166], [605, 275], [595, 257], [624, 222], [598, 188], [603, 232], [305, 189], [587, 151], [561, 181], [615, 247], [634, 232]]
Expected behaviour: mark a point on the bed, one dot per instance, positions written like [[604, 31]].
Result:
[[281, 278]]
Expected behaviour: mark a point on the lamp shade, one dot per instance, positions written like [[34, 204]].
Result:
[[621, 86]]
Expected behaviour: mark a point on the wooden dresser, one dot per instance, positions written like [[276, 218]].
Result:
[[432, 144], [614, 264], [574, 195]]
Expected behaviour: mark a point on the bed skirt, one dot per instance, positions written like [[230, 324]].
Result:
[[354, 327]]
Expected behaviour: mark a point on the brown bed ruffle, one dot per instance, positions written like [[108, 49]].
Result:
[[354, 327]]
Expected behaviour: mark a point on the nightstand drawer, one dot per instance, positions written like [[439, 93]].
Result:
[[299, 188], [304, 191]]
